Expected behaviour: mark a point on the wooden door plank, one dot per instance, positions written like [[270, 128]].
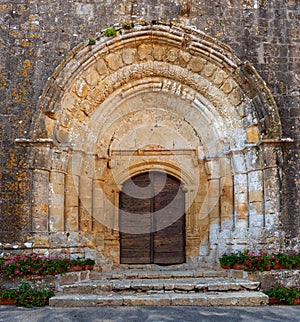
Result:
[[135, 221], [152, 202], [169, 223]]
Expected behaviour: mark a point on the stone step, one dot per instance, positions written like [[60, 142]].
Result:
[[161, 284], [242, 298], [158, 273]]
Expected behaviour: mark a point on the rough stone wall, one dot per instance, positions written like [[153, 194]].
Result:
[[35, 36]]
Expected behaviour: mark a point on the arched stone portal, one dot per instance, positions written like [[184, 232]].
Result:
[[156, 98]]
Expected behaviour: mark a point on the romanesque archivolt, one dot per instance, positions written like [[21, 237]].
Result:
[[162, 99]]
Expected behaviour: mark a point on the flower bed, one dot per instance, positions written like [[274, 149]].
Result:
[[281, 294], [27, 295], [19, 266], [261, 261], [14, 267]]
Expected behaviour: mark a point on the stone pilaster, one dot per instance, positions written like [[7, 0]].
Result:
[[57, 201], [85, 204], [98, 205], [72, 203], [40, 200]]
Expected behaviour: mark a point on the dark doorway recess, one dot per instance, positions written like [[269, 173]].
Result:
[[152, 220]]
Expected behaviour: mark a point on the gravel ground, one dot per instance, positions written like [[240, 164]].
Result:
[[146, 313]]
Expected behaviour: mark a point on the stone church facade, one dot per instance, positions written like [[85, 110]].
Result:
[[171, 141]]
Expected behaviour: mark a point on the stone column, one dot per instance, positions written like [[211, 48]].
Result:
[[192, 231], [240, 181], [71, 203], [116, 192], [255, 188], [256, 196], [240, 201], [226, 202], [98, 205], [188, 211], [215, 169], [192, 224], [110, 220], [214, 194], [85, 204], [40, 163], [40, 200], [72, 189], [57, 202], [272, 156]]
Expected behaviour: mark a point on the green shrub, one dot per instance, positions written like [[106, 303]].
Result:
[[28, 296], [284, 293], [260, 261], [92, 42], [110, 32], [128, 25], [227, 259], [22, 265]]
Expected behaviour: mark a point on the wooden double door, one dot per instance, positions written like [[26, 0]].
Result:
[[152, 220]]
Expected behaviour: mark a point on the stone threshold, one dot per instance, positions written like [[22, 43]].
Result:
[[161, 284], [242, 298], [158, 273]]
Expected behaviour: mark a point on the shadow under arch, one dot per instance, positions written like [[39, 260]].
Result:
[[172, 169]]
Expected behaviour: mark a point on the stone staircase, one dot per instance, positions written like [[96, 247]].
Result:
[[162, 287]]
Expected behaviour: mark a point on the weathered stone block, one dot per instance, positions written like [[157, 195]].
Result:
[[272, 220], [252, 134], [196, 64], [145, 52], [81, 88], [239, 163], [189, 299], [256, 220], [41, 241], [147, 300]]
